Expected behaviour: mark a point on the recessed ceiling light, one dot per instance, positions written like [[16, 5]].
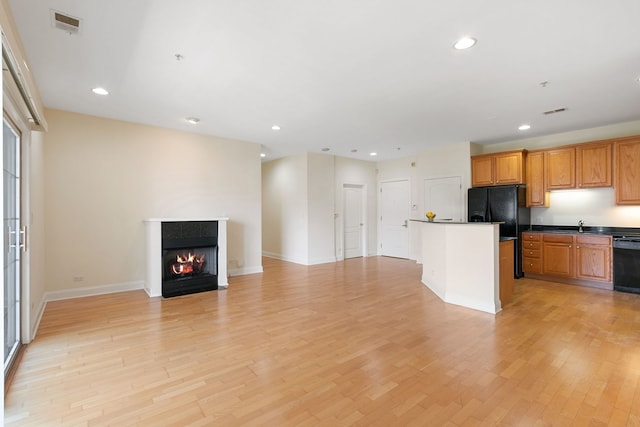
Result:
[[275, 127], [193, 120], [355, 150], [524, 127], [100, 91], [465, 43], [325, 149], [263, 155], [373, 154]]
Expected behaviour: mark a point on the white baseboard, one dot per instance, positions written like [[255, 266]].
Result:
[[284, 258], [245, 270], [324, 260], [35, 323], [299, 260], [92, 290]]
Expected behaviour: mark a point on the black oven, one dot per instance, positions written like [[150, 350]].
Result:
[[626, 263]]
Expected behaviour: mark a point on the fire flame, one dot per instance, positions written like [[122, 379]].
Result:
[[191, 263]]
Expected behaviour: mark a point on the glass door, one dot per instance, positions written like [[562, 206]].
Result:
[[13, 241]]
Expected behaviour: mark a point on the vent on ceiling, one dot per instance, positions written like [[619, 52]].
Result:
[[65, 22], [557, 110]]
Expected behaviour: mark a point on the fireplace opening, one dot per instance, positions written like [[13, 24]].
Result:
[[189, 257]]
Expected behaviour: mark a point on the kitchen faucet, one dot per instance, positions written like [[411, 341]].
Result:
[[580, 224]]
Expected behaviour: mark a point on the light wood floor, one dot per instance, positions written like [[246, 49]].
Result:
[[360, 342]]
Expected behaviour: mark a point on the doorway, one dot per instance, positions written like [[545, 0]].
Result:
[[14, 240], [395, 202], [355, 236]]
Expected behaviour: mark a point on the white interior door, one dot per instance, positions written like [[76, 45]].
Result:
[[395, 202], [353, 221], [443, 196]]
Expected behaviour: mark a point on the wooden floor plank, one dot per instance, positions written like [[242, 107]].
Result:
[[360, 342]]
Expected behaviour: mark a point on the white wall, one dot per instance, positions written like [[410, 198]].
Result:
[[104, 177], [439, 162], [302, 206], [284, 214], [362, 173], [595, 206], [566, 138], [36, 236], [321, 208], [443, 162]]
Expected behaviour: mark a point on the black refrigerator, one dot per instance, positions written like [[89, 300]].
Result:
[[505, 204]]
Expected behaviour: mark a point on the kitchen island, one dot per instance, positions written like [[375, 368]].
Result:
[[461, 262]]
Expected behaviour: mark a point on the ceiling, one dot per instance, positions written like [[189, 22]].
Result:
[[367, 75]]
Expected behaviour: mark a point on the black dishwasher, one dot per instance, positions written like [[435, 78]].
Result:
[[626, 263]]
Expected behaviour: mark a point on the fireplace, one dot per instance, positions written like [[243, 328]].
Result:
[[185, 256], [189, 257]]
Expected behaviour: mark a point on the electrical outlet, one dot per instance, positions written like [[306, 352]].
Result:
[[78, 278]]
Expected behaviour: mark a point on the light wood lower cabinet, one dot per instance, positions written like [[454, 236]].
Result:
[[557, 255], [506, 272], [531, 252], [583, 259], [593, 258]]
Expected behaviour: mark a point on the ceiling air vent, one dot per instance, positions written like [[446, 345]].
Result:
[[557, 110], [65, 22]]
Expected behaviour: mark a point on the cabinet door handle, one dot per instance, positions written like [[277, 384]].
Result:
[[578, 247]]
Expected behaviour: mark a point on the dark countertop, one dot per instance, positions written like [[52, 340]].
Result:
[[566, 229]]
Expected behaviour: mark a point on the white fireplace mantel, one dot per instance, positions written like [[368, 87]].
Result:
[[153, 230]]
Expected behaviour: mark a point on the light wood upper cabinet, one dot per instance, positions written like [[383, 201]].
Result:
[[627, 171], [482, 171], [593, 165], [536, 193], [498, 169], [613, 162], [509, 168], [560, 170]]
